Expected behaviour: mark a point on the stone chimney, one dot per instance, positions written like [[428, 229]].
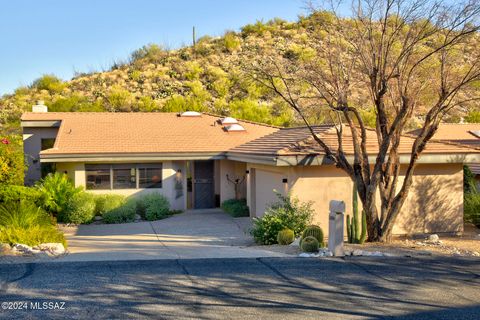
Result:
[[40, 107]]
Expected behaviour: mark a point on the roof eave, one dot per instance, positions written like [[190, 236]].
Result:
[[122, 157]]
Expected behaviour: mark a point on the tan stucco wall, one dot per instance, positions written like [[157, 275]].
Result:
[[435, 203], [170, 175], [32, 145], [235, 170]]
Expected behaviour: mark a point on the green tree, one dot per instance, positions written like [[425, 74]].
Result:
[[12, 163]]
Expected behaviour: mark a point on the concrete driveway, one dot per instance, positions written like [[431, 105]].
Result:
[[190, 235]]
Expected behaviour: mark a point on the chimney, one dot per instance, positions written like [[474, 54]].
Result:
[[40, 107]]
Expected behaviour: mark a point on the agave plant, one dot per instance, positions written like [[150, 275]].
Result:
[[56, 189]]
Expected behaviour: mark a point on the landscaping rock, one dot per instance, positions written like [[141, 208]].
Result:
[[357, 252], [138, 217], [54, 249], [4, 247], [305, 255], [22, 248], [295, 242], [433, 237], [98, 218]]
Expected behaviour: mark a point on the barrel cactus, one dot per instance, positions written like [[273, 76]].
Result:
[[285, 236], [314, 231], [309, 244]]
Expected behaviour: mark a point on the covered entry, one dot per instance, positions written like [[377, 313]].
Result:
[[203, 184]]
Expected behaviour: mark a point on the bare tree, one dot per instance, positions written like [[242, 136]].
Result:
[[404, 59]]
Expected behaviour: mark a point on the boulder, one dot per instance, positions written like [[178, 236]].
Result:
[[98, 218], [295, 242], [357, 252], [138, 217], [22, 248], [4, 247], [54, 249]]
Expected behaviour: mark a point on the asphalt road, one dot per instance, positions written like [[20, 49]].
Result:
[[263, 288]]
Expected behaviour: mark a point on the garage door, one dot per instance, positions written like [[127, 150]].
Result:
[[266, 182]]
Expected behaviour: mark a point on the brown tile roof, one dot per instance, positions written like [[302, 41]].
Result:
[[105, 133], [457, 133], [298, 141]]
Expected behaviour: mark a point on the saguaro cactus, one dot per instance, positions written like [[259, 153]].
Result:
[[356, 230]]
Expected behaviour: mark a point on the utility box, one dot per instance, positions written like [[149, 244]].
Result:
[[335, 228]]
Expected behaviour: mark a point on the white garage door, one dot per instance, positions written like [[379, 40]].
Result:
[[266, 182]]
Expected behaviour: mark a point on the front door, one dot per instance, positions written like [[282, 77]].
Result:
[[203, 185]]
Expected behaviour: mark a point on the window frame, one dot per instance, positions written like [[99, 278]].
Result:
[[136, 167]]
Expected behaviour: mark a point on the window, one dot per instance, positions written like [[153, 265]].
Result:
[[98, 176], [47, 143], [150, 176], [124, 176]]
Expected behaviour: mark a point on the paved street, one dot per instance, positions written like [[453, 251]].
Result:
[[261, 288]]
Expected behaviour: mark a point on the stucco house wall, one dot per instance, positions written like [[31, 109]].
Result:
[[235, 170], [32, 145], [435, 203]]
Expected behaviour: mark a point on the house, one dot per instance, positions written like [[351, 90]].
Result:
[[467, 134], [187, 157]]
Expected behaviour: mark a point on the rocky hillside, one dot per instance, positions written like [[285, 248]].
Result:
[[208, 76]]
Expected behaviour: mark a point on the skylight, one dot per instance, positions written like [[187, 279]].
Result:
[[190, 114], [476, 133], [229, 120], [234, 128]]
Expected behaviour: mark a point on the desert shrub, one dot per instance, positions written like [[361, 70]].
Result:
[[473, 117], [11, 193], [150, 53], [79, 209], [288, 212], [236, 208], [471, 208], [122, 214], [24, 222], [231, 41], [49, 82], [56, 189], [107, 202], [153, 206], [119, 99], [309, 244], [285, 237], [12, 163]]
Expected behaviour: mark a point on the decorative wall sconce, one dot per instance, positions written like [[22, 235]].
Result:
[[285, 180]]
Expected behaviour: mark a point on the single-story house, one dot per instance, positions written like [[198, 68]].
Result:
[[192, 159], [467, 134]]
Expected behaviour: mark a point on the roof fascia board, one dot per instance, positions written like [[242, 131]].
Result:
[[45, 158], [269, 160], [41, 124]]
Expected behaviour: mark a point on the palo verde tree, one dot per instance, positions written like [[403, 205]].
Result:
[[405, 60]]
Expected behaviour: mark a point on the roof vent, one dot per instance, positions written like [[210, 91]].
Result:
[[228, 120], [40, 107], [234, 128], [190, 114]]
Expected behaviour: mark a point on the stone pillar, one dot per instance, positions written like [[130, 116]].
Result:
[[335, 228]]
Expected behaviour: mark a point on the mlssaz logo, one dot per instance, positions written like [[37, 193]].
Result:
[[47, 305]]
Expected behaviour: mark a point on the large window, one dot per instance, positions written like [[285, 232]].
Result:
[[98, 176], [123, 176], [150, 176]]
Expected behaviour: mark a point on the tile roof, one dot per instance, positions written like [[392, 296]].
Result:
[[106, 133], [298, 141], [460, 133]]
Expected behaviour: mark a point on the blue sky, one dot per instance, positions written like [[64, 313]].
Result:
[[60, 37]]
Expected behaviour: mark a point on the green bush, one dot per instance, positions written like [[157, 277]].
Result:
[[24, 222], [55, 191], [10, 193], [236, 208], [79, 209], [314, 231], [50, 83], [122, 214], [471, 208], [12, 162], [288, 213], [107, 202], [285, 237], [309, 244], [153, 206]]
